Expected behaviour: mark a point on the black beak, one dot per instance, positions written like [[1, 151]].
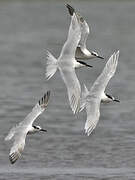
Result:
[[116, 100], [100, 57], [88, 65], [44, 130], [85, 64]]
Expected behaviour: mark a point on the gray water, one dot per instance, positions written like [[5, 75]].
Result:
[[64, 152]]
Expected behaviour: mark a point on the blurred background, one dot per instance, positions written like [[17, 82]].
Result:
[[27, 30]]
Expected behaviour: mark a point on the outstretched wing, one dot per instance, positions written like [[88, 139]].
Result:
[[73, 87], [18, 145], [94, 97], [109, 70], [72, 41], [37, 110], [84, 95], [11, 133], [20, 131], [84, 28], [93, 114], [84, 33], [66, 64]]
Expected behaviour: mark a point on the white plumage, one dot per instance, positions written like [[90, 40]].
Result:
[[66, 64], [93, 97], [25, 127], [81, 51]]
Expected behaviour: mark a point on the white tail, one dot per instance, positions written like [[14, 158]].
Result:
[[51, 65]]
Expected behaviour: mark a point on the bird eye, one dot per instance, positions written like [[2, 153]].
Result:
[[94, 53], [36, 127]]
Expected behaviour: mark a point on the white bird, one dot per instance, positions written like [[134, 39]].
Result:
[[25, 127], [93, 98], [105, 98], [81, 51], [66, 64]]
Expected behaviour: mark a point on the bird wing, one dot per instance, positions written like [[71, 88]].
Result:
[[20, 131], [72, 41], [37, 110], [73, 87], [109, 70], [84, 32], [94, 98], [84, 28], [93, 113], [84, 95], [66, 66], [11, 133], [18, 145]]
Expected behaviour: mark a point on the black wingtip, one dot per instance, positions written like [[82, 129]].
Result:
[[47, 95], [71, 10], [44, 99], [13, 157]]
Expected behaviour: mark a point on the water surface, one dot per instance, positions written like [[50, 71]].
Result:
[[64, 152]]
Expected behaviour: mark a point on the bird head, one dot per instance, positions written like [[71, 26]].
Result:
[[95, 54], [38, 128], [112, 98]]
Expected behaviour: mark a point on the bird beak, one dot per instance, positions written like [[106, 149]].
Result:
[[44, 130], [116, 100], [89, 65], [100, 57], [84, 63]]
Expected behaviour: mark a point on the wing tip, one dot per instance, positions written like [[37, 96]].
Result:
[[117, 54], [89, 129], [44, 100], [75, 104], [71, 10], [13, 157]]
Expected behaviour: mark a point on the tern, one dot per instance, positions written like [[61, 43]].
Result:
[[106, 98], [66, 64], [25, 127], [81, 51], [92, 100]]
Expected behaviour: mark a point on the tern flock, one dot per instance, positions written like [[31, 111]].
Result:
[[73, 54]]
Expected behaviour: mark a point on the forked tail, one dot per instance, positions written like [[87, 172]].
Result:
[[51, 65]]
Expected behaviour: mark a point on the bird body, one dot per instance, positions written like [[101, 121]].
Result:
[[93, 98], [20, 131], [66, 64]]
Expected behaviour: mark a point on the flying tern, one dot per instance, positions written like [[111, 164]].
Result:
[[81, 51], [19, 132], [96, 94], [106, 98], [66, 64]]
